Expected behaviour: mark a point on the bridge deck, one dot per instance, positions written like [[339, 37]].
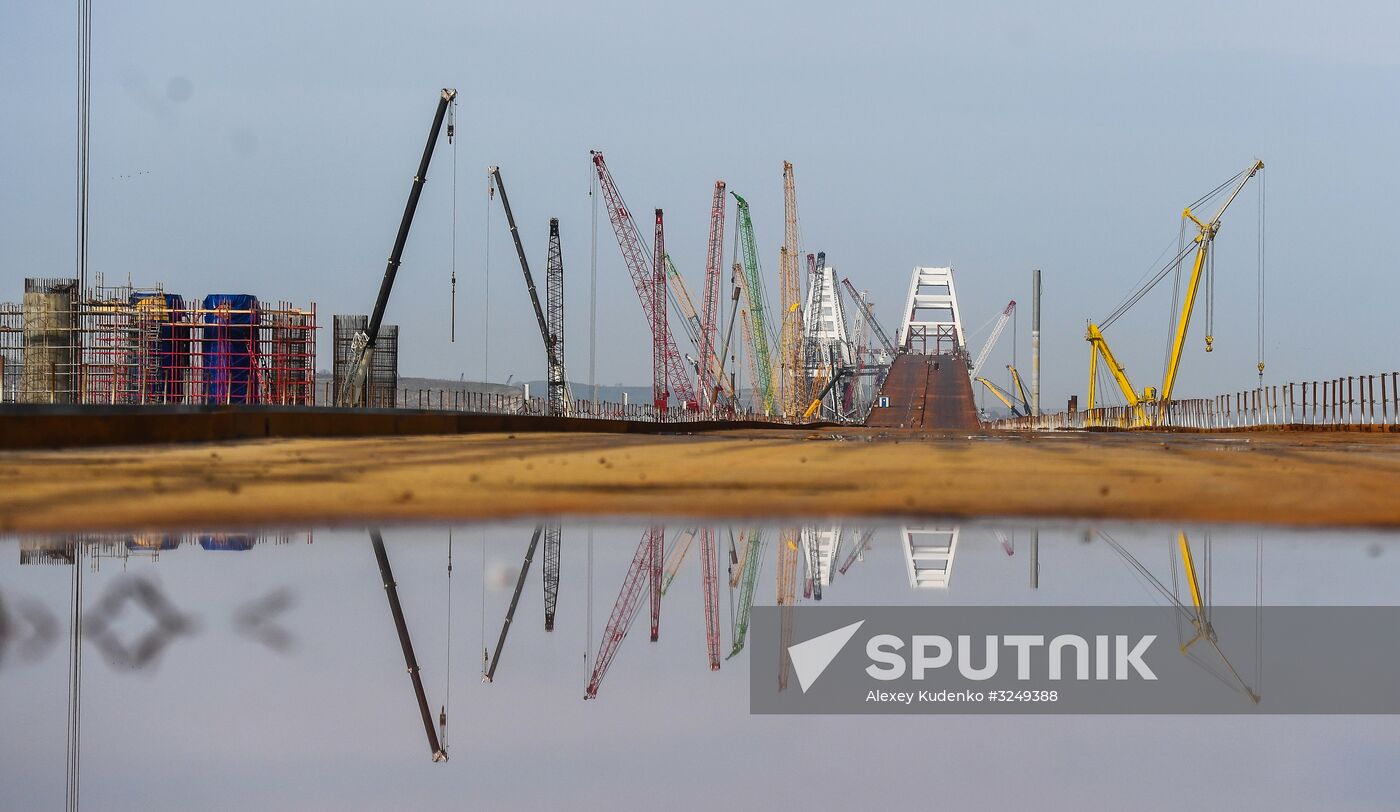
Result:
[[926, 392]]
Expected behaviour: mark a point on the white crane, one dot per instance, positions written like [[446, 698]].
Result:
[[992, 340]]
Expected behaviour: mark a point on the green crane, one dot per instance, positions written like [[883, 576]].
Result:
[[753, 559], [756, 296]]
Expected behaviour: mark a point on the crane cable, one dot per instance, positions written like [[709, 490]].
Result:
[[447, 698], [482, 614], [588, 641], [1136, 296], [1263, 189], [452, 334], [75, 682], [486, 308]]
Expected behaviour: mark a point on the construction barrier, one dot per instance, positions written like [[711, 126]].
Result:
[[1355, 401]]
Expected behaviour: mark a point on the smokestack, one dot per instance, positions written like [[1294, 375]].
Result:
[[1035, 341]]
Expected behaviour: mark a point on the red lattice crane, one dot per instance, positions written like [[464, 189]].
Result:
[[659, 326], [666, 358], [656, 538], [645, 564], [709, 577], [714, 267]]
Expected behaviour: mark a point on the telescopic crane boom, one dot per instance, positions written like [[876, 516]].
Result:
[[870, 318], [1008, 400], [391, 590], [490, 675], [550, 341], [353, 390]]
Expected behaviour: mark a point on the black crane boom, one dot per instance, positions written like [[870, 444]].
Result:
[[353, 392], [495, 172], [406, 643]]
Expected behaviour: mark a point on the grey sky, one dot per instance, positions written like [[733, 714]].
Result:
[[222, 723], [277, 141]]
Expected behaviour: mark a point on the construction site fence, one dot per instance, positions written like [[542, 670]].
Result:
[[1352, 401], [460, 400]]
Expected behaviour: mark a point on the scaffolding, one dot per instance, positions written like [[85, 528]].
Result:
[[142, 346]]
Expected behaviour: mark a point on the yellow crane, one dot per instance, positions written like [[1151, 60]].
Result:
[[790, 285], [787, 597], [1008, 399], [1201, 244], [1198, 614]]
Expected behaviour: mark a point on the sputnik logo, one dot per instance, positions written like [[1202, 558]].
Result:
[[811, 657]]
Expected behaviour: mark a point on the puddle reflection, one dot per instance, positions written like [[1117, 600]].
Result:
[[227, 612]]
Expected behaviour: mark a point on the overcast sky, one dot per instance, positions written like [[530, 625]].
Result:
[[267, 148]]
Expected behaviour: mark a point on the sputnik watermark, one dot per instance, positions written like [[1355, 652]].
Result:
[[927, 659], [888, 662]]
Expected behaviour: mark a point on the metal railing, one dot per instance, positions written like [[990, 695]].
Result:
[[515, 403], [1355, 400]]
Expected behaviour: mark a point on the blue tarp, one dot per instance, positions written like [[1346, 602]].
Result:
[[165, 381], [226, 542], [230, 348]]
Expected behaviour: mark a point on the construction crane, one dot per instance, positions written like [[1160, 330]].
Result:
[[813, 562], [709, 583], [816, 403], [666, 358], [391, 590], [489, 675], [860, 547], [751, 356], [758, 321], [1002, 395], [711, 381], [352, 392], [552, 536], [790, 296], [987, 348], [786, 587], [870, 318], [659, 390], [626, 609], [1198, 614], [1020, 388], [1098, 348], [552, 340], [1202, 245], [815, 369], [710, 366], [1200, 617], [560, 399], [679, 549], [752, 563], [735, 293]]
